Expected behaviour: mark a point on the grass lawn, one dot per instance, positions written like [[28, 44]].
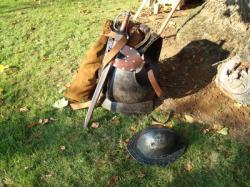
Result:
[[43, 45]]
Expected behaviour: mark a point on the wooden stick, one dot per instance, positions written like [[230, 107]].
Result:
[[143, 4], [169, 16]]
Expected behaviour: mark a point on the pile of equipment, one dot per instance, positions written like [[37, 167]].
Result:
[[120, 73]]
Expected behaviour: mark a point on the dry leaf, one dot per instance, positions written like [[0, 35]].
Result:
[[62, 147], [223, 131], [61, 103], [217, 127], [238, 105], [133, 129], [188, 118], [61, 90], [126, 141], [3, 67], [170, 125], [115, 121], [205, 131], [43, 121], [23, 109], [52, 119], [189, 166], [95, 125], [8, 182], [32, 124], [141, 175], [48, 175], [114, 180], [67, 85]]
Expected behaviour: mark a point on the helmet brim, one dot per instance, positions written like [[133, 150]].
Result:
[[167, 157]]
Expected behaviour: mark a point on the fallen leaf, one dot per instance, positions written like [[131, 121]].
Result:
[[189, 166], [61, 103], [205, 131], [18, 13], [188, 118], [1, 90], [223, 131], [238, 105], [62, 147], [141, 175], [133, 129], [52, 119], [61, 90], [217, 127], [32, 124], [3, 67], [127, 140], [115, 121], [114, 180], [67, 85], [23, 109], [95, 125], [8, 182], [170, 125], [43, 121], [125, 143], [48, 175]]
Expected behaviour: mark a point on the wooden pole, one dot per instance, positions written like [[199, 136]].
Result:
[[169, 16], [143, 4]]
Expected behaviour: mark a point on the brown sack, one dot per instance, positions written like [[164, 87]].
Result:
[[84, 84]]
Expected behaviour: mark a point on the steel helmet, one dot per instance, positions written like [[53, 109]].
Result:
[[156, 144]]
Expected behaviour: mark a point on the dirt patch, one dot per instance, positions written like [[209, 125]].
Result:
[[196, 38]]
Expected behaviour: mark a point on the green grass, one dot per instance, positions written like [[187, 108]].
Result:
[[43, 44]]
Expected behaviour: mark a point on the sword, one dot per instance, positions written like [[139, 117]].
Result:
[[117, 44]]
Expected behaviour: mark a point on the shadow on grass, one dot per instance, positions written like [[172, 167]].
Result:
[[94, 156], [16, 7]]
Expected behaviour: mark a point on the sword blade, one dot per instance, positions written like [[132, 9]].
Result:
[[97, 93], [99, 86]]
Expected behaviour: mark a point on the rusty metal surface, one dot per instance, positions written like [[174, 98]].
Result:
[[131, 60]]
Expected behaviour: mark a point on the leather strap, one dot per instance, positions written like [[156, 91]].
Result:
[[111, 34], [78, 106], [115, 50], [154, 83]]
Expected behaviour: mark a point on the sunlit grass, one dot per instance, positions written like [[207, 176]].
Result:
[[43, 44]]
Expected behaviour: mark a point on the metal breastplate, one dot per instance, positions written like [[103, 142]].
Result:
[[128, 89]]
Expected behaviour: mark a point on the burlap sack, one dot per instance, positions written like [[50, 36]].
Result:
[[85, 82]]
